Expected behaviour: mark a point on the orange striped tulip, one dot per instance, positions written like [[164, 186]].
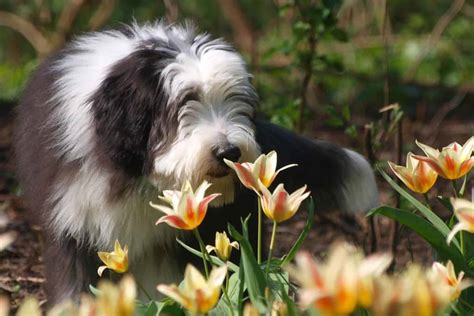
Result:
[[188, 208], [280, 205], [418, 176], [263, 169], [454, 160], [464, 211]]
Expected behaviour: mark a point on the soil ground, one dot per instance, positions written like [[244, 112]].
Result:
[[21, 264]]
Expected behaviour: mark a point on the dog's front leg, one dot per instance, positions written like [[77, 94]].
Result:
[[69, 267]]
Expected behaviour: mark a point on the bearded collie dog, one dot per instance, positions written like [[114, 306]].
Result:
[[116, 117]]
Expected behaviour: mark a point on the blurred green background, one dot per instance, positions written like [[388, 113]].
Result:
[[317, 65]]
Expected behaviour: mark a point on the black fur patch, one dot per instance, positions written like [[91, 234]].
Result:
[[127, 104]]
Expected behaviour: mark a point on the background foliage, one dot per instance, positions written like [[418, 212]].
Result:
[[335, 60]]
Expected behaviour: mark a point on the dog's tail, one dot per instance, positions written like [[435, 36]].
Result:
[[338, 178]]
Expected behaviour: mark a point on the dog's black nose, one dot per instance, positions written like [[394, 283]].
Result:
[[229, 151]]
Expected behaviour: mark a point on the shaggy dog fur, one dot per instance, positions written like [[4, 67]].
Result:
[[118, 116]]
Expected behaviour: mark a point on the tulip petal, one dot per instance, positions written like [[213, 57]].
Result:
[[162, 208], [429, 151], [174, 221], [217, 276], [433, 163], [245, 176], [101, 270], [467, 149], [456, 228], [172, 291]]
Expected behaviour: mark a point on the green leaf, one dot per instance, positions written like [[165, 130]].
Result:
[[426, 231], [292, 308], [299, 242], [426, 212], [232, 267], [253, 274], [346, 112]]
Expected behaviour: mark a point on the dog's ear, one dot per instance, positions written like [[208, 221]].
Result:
[[125, 106]]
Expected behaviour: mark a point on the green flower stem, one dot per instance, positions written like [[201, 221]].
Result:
[[270, 252], [203, 251], [143, 290], [453, 182], [461, 241], [259, 232], [226, 295]]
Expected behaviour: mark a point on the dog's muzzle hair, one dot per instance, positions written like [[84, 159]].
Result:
[[116, 117]]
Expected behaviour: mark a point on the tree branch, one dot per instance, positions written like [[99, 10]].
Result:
[[39, 42], [171, 10], [244, 35], [66, 19], [435, 36]]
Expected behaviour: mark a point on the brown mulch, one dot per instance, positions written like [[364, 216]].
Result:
[[21, 265]]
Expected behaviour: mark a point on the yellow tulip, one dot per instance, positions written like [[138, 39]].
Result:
[[223, 246], [263, 169], [279, 308], [280, 205], [414, 292], [197, 295], [118, 301], [464, 211], [418, 176], [30, 307], [188, 208], [116, 260], [454, 160], [249, 310]]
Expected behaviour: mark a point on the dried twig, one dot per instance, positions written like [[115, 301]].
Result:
[[171, 10], [432, 129], [39, 42]]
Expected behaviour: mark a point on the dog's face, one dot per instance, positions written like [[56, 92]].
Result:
[[214, 113], [173, 109]]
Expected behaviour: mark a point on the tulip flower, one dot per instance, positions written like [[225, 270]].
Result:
[[369, 269], [188, 208], [464, 211], [339, 285], [197, 295], [263, 169], [30, 307], [455, 283], [117, 300], [116, 260], [223, 246], [279, 308], [454, 160], [418, 176], [280, 205]]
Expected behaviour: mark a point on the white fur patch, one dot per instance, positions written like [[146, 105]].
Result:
[[360, 189]]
